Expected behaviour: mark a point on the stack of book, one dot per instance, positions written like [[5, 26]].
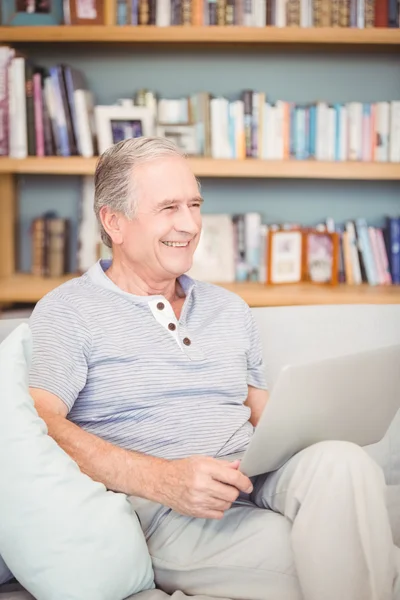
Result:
[[50, 245], [259, 13]]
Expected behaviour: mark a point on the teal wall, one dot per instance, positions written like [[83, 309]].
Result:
[[115, 72]]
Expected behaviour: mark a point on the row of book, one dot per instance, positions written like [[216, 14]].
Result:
[[259, 13], [255, 128], [47, 112], [241, 248], [43, 112]]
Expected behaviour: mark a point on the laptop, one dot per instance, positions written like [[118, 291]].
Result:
[[352, 398]]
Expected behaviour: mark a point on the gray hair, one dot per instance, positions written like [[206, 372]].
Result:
[[114, 176]]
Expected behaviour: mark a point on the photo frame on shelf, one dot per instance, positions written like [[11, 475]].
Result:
[[184, 136], [31, 12], [86, 12], [116, 123], [285, 256], [321, 257]]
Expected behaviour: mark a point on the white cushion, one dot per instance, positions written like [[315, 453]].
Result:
[[63, 535]]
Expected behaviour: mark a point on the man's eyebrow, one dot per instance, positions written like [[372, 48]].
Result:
[[173, 202]]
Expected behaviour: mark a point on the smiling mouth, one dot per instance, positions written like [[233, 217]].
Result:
[[176, 244]]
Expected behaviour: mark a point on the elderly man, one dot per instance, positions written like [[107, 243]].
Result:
[[153, 382]]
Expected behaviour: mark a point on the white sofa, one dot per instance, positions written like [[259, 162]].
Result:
[[298, 334]]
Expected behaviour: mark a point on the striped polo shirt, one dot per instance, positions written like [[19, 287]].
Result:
[[133, 374]]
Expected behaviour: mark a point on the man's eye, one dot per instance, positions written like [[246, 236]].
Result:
[[196, 204], [169, 207]]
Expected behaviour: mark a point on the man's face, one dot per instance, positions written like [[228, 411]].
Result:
[[162, 237]]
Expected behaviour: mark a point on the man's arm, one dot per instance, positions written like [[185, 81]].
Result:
[[197, 486], [256, 401]]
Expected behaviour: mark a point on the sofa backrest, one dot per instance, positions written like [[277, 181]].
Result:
[[295, 334]]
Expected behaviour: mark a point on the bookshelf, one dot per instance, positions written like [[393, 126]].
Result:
[[28, 288], [335, 38], [227, 168], [18, 287]]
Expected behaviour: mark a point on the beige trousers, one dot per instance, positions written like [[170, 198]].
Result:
[[336, 534]]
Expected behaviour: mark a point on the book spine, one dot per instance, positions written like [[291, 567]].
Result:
[[163, 13], [38, 247], [335, 13], [152, 11], [355, 263], [381, 13], [144, 12], [344, 13], [230, 15], [248, 13], [30, 109], [49, 145], [5, 61], [134, 12], [38, 106], [60, 116], [366, 133], [252, 241], [394, 248], [377, 257], [369, 13], [360, 14], [293, 13], [394, 152], [382, 131], [211, 12], [384, 256], [221, 12], [18, 125], [366, 251], [122, 12], [186, 12], [248, 121], [50, 100], [393, 17]]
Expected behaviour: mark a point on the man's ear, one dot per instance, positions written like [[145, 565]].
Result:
[[111, 222]]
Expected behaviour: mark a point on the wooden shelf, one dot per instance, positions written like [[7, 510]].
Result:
[[208, 167], [267, 36], [27, 288]]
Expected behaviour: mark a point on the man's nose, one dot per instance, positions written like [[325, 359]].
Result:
[[185, 221]]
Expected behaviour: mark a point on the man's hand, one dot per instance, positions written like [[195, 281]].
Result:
[[201, 486]]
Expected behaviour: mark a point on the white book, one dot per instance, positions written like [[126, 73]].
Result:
[[163, 13], [382, 131], [279, 131], [260, 13], [344, 134], [252, 223], [304, 13], [394, 138], [262, 273], [280, 13], [267, 132], [331, 139], [355, 112], [84, 115], [19, 137], [322, 119], [216, 151], [226, 148], [214, 259]]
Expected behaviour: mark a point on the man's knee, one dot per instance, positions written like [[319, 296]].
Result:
[[345, 456]]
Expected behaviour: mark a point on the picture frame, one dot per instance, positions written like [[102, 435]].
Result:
[[86, 12], [321, 257], [115, 123], [184, 137], [31, 12], [285, 256]]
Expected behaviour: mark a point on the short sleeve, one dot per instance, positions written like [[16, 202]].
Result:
[[61, 346], [255, 363]]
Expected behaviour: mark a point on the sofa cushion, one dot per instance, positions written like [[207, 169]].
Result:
[[62, 535]]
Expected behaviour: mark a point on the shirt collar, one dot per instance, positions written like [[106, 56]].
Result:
[[98, 276]]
